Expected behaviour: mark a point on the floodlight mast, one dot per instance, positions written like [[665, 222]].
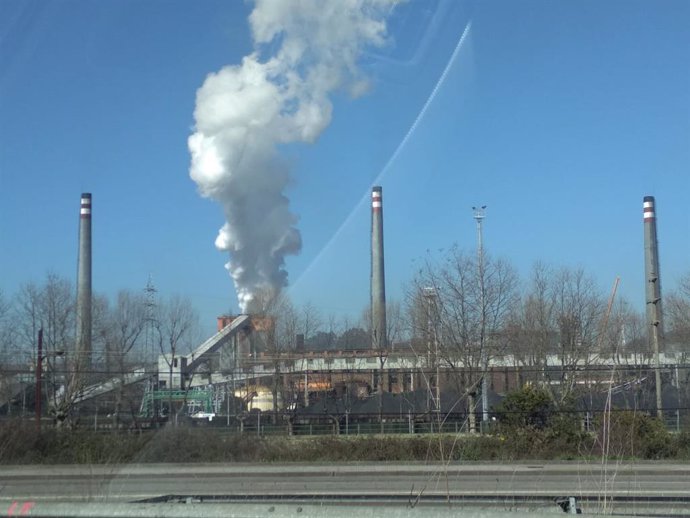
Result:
[[479, 215]]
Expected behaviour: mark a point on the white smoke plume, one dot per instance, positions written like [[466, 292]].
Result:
[[279, 94]]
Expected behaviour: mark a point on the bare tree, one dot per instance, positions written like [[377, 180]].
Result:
[[560, 315], [27, 314], [540, 309], [333, 330], [127, 321], [175, 329], [579, 309], [311, 321], [281, 341], [294, 326], [531, 330], [100, 331], [463, 309], [286, 323], [7, 353], [470, 320], [625, 338], [123, 332], [57, 303], [394, 327], [677, 308], [50, 306], [5, 327], [395, 323]]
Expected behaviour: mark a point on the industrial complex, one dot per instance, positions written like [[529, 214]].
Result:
[[240, 377]]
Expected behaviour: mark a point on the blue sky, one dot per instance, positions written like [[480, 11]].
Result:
[[560, 116]]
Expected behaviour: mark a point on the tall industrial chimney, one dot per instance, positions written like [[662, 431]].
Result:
[[84, 286], [378, 282], [653, 290], [651, 266]]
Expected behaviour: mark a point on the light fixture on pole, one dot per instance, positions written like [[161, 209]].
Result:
[[478, 214]]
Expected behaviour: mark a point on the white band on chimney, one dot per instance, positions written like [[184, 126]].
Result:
[[648, 204], [376, 204], [85, 210]]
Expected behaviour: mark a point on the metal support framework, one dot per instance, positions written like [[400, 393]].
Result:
[[201, 397]]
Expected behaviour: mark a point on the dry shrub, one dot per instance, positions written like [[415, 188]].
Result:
[[635, 435], [631, 435]]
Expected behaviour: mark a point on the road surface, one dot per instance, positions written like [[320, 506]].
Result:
[[404, 484]]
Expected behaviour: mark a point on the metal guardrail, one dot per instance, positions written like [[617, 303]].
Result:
[[192, 508]]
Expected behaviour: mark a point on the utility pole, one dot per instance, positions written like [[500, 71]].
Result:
[[430, 294], [479, 217], [39, 381]]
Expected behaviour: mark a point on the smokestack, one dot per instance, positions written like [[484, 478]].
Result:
[[653, 292], [378, 281], [84, 286], [651, 266]]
